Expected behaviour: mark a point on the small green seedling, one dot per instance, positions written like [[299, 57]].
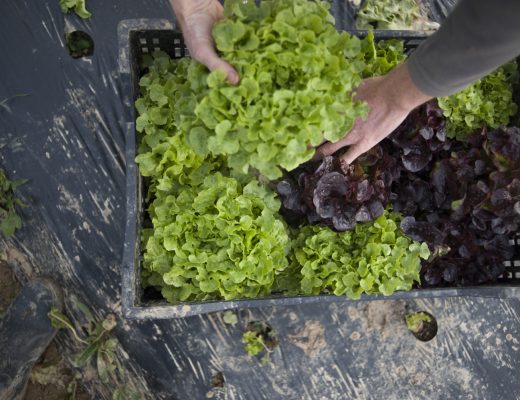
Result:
[[415, 321], [254, 344], [78, 6], [258, 338], [230, 318], [10, 221], [422, 325]]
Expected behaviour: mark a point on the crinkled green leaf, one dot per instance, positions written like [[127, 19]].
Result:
[[373, 258], [78, 6], [486, 102], [280, 51], [216, 239], [254, 343], [379, 58], [10, 221]]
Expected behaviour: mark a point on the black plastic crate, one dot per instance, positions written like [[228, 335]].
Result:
[[140, 37]]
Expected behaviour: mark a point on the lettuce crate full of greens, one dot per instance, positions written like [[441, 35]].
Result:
[[226, 209]]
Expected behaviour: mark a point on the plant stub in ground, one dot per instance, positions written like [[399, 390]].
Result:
[[422, 325], [10, 221], [79, 44], [98, 350], [78, 6], [230, 318], [217, 380], [259, 338]]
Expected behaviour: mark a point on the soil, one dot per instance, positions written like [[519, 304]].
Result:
[[9, 287], [217, 380], [57, 381], [55, 386], [311, 338]]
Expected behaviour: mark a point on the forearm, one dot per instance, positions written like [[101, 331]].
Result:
[[400, 90], [477, 37]]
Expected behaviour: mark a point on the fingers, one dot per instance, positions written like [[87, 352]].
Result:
[[354, 152], [208, 56], [197, 26], [328, 148]]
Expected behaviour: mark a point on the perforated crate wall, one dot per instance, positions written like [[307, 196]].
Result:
[[136, 305]]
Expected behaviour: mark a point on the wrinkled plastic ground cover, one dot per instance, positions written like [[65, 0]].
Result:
[[57, 126]]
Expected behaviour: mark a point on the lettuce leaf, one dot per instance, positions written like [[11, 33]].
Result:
[[297, 79], [373, 258], [219, 239], [487, 102]]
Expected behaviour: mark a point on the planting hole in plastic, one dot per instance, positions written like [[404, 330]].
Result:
[[264, 330], [79, 44], [422, 325], [217, 380]]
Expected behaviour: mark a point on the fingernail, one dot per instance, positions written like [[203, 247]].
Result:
[[233, 77]]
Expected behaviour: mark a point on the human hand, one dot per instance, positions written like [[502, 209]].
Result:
[[196, 18], [390, 99]]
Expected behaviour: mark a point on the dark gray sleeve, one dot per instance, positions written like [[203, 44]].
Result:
[[476, 38]]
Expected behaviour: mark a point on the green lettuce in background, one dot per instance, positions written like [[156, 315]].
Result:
[[486, 102], [393, 15]]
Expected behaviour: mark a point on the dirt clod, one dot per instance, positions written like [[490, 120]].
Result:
[[311, 339], [9, 287], [51, 377], [217, 380]]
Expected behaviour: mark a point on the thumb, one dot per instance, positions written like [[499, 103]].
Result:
[[207, 55]]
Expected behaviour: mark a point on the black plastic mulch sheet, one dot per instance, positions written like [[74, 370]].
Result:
[[67, 138]]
